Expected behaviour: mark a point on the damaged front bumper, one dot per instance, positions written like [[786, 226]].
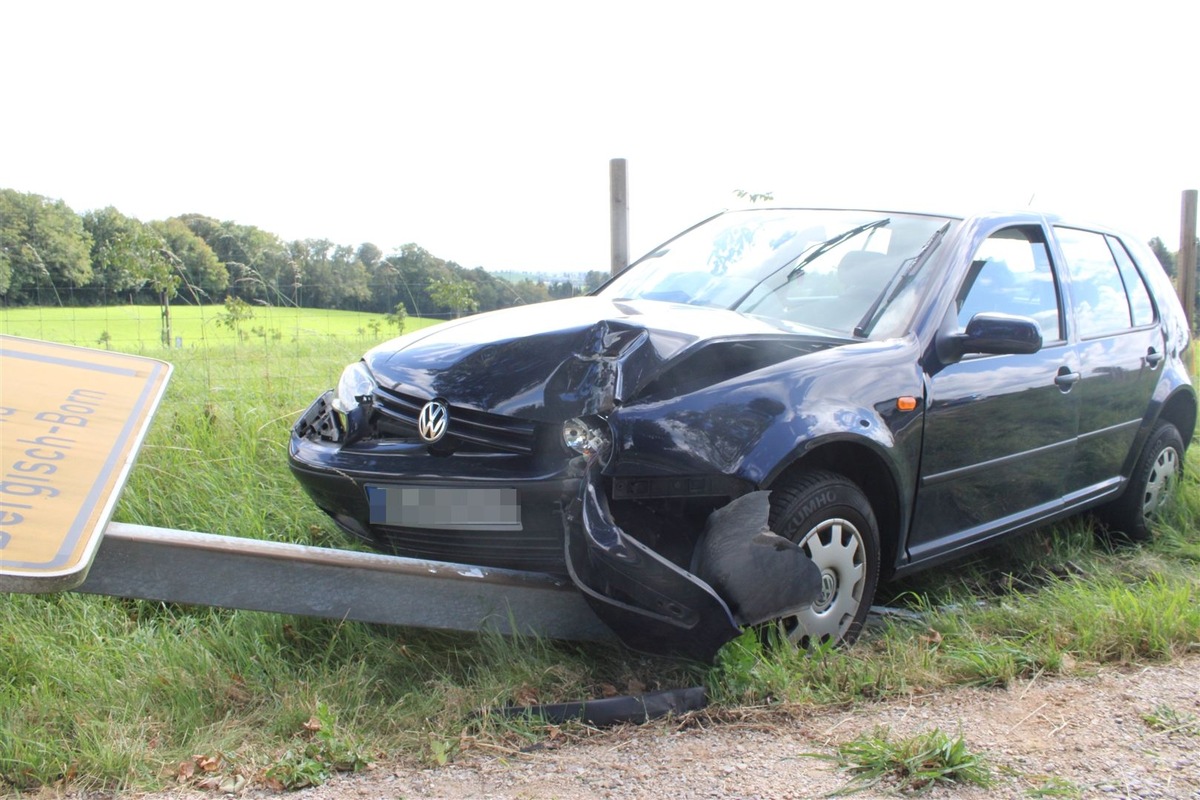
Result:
[[650, 603], [655, 606]]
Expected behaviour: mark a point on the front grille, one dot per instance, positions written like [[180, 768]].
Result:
[[491, 431]]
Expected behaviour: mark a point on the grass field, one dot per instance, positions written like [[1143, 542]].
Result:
[[136, 329], [102, 692]]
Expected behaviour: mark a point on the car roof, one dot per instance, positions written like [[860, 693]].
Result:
[[1015, 216]]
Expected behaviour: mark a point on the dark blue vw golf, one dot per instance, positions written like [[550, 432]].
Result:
[[768, 413]]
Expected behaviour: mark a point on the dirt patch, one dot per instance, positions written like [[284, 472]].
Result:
[[1077, 737]]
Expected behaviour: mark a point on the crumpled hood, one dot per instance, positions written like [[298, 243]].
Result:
[[559, 359]]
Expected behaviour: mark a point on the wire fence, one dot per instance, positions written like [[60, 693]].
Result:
[[285, 354]]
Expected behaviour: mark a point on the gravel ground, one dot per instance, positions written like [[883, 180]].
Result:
[[1089, 734]]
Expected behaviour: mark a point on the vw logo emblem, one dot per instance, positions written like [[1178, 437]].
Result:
[[431, 422]]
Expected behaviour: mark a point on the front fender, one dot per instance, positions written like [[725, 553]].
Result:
[[749, 426]]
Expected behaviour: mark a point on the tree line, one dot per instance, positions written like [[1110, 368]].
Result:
[[49, 255]]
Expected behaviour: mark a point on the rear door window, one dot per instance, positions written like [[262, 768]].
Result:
[[1105, 298], [1135, 284]]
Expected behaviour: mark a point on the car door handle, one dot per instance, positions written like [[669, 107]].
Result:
[[1065, 379], [1153, 358]]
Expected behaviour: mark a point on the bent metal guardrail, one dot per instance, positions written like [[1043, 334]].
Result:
[[205, 569]]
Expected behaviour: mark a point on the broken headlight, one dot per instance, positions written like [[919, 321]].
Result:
[[354, 388], [588, 436]]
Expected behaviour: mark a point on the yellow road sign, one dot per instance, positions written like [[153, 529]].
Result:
[[71, 422]]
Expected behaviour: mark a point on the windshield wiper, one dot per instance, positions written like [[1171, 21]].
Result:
[[827, 245], [908, 269]]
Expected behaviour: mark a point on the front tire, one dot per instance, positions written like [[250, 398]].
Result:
[[832, 520], [1152, 485]]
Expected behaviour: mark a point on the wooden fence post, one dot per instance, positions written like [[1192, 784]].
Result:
[[618, 192], [1187, 256]]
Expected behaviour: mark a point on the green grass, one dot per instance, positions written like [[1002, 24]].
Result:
[[138, 329], [1051, 602], [1055, 787], [1168, 720], [110, 693], [909, 764]]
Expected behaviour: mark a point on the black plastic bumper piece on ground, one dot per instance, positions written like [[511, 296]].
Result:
[[651, 604], [617, 710]]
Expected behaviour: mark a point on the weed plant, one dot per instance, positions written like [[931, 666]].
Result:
[[108, 693], [1055, 787], [909, 764], [1165, 719]]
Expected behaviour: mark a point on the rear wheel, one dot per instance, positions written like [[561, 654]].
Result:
[[1152, 485], [831, 519]]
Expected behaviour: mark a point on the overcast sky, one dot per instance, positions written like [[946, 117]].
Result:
[[482, 130]]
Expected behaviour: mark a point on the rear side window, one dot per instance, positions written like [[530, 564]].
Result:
[[1135, 284], [1100, 297]]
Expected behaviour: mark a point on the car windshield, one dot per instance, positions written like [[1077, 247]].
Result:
[[854, 273]]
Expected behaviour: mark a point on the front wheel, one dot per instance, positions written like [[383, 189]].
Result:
[[1152, 485], [832, 521]]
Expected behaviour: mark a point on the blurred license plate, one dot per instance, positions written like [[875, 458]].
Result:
[[452, 508]]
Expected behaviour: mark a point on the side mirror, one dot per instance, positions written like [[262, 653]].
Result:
[[994, 333]]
